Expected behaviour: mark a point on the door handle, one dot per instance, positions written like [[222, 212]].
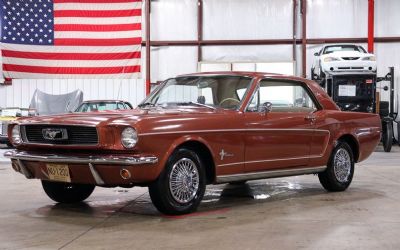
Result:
[[310, 118]]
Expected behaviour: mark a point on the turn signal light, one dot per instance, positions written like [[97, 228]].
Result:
[[125, 174]]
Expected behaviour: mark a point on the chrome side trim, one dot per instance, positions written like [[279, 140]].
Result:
[[96, 175], [269, 174], [232, 130], [271, 160], [54, 158]]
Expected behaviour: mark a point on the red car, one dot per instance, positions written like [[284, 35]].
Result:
[[195, 130]]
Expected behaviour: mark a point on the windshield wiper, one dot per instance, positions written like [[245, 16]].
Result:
[[194, 104]]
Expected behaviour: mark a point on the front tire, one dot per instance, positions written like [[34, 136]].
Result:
[[67, 192], [339, 173], [180, 187]]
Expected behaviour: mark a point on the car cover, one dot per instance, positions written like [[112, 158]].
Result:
[[46, 104]]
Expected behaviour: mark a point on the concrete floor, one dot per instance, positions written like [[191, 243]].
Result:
[[285, 213]]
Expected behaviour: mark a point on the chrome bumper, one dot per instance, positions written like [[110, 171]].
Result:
[[114, 160], [91, 161]]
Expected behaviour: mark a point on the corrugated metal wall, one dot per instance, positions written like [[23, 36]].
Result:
[[19, 94]]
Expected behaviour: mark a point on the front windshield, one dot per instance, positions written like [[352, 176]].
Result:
[[99, 106], [334, 48], [212, 91]]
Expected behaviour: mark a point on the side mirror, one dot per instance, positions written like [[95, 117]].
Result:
[[316, 54], [265, 108]]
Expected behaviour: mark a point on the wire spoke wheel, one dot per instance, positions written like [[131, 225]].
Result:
[[342, 165], [184, 181]]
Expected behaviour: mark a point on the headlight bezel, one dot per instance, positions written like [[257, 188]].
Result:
[[331, 59], [129, 137], [16, 137], [369, 58]]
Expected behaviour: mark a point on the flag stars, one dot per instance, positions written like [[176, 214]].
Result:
[[27, 21]]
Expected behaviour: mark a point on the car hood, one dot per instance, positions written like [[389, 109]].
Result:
[[116, 117], [347, 54]]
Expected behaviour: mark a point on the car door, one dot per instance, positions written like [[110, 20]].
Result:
[[282, 137]]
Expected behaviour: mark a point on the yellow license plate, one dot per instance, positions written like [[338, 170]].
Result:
[[58, 172]]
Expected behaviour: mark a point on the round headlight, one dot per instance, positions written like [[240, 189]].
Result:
[[129, 137], [16, 135]]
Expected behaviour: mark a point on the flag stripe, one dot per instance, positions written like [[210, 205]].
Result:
[[71, 70], [95, 6], [107, 27], [71, 49], [97, 42], [97, 34], [25, 75], [70, 63], [97, 13], [71, 56], [98, 21], [96, 1]]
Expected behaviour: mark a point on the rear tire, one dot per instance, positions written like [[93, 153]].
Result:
[[339, 173], [67, 192], [387, 136], [180, 187]]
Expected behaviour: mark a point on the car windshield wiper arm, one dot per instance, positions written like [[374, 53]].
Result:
[[195, 104]]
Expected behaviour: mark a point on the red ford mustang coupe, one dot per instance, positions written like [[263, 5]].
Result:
[[195, 130]]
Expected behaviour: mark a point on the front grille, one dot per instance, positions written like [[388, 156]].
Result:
[[76, 135], [350, 58]]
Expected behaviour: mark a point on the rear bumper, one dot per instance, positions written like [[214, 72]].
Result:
[[98, 170]]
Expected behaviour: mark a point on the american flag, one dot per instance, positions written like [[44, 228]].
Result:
[[71, 38]]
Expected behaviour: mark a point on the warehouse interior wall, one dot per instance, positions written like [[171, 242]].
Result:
[[271, 19]]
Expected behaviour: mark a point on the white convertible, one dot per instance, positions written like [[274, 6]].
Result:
[[342, 58]]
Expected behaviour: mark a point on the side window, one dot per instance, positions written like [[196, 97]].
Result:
[[284, 97]]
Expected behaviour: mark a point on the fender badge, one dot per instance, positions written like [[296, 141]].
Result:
[[223, 154]]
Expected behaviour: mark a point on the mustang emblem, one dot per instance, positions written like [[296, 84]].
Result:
[[223, 154], [55, 134]]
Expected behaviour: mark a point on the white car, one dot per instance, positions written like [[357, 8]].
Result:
[[342, 58]]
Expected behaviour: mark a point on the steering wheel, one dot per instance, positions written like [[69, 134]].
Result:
[[229, 99]]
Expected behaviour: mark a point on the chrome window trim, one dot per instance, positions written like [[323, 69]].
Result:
[[301, 83]]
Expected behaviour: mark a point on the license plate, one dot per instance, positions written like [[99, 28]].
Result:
[[58, 172]]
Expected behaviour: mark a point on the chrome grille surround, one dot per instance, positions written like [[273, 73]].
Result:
[[77, 134]]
